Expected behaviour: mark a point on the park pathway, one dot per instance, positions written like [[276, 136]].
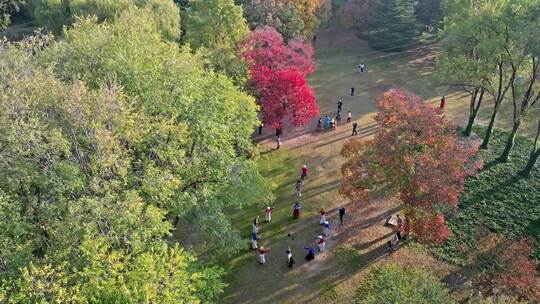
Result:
[[333, 275]]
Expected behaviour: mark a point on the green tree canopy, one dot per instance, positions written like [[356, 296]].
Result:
[[217, 26], [206, 171], [281, 15], [7, 7], [429, 13], [492, 45], [393, 25], [75, 228], [54, 14]]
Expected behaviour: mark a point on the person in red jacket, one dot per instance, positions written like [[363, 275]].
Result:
[[304, 173], [443, 102], [296, 210]]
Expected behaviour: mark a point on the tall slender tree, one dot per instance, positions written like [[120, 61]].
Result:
[[524, 60], [464, 62], [534, 155]]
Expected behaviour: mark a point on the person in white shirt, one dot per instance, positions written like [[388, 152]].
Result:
[[321, 242]]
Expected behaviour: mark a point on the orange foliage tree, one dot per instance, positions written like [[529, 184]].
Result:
[[417, 154], [313, 12]]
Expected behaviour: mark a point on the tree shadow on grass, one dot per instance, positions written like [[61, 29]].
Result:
[[327, 187], [500, 187], [331, 274]]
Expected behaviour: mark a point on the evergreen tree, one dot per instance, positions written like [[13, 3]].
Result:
[[393, 25], [7, 8], [429, 13]]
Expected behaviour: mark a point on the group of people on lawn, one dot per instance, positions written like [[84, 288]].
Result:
[[326, 123], [296, 212], [320, 241], [331, 123]]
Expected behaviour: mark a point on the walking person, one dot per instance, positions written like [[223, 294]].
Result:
[[327, 122], [361, 67], [310, 253], [339, 105], [352, 91], [399, 221], [322, 220], [349, 117], [268, 214], [290, 259], [262, 255], [260, 128], [326, 229], [443, 102], [296, 210], [354, 131], [304, 172], [319, 124], [341, 214], [392, 244], [255, 226], [298, 188], [254, 238], [321, 243]]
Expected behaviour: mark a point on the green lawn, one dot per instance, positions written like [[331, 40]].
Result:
[[495, 200]]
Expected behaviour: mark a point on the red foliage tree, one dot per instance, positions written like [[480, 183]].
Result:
[[430, 228], [417, 153], [277, 72], [507, 266]]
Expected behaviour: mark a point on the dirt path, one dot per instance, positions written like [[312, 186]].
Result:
[[333, 275]]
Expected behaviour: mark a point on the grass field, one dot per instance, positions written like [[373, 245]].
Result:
[[360, 244]]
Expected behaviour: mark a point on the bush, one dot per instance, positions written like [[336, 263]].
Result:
[[395, 284]]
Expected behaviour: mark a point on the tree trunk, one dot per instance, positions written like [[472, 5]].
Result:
[[473, 110], [535, 154], [489, 130], [505, 155], [499, 97], [526, 172]]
